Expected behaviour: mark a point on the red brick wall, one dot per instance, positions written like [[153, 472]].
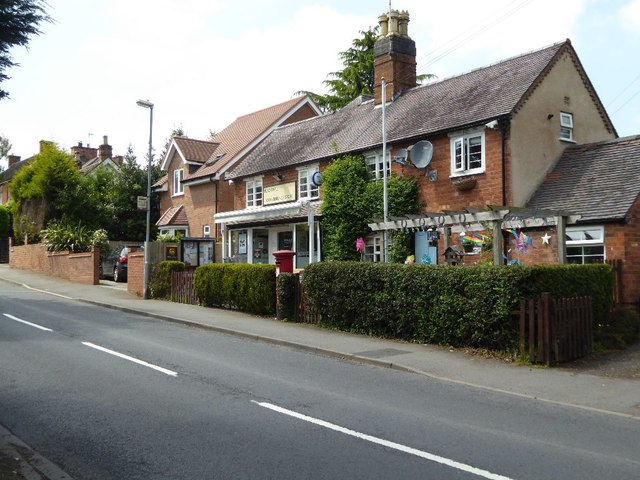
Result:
[[75, 267], [135, 273]]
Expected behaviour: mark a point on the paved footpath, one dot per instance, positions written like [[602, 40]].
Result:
[[611, 396]]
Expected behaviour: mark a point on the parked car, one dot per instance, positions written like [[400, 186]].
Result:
[[114, 265]]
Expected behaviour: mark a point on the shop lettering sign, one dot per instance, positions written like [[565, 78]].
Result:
[[279, 193]]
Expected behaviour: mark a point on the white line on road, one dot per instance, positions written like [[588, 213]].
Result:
[[132, 359], [47, 292], [40, 327], [396, 446]]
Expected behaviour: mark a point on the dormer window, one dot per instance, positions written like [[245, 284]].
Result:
[[566, 126], [178, 176], [254, 192], [467, 153]]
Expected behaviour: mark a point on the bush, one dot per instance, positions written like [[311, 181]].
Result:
[[249, 288], [160, 278], [622, 330], [60, 237], [460, 306]]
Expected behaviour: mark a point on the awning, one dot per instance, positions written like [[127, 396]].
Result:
[[272, 213]]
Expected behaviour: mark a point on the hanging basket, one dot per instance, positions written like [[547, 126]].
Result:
[[464, 183]]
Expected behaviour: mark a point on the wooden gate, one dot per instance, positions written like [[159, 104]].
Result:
[[556, 330], [303, 313]]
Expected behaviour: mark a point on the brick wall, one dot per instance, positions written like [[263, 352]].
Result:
[[135, 273], [75, 267]]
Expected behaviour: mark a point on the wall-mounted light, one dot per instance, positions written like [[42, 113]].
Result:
[[491, 124], [278, 177], [550, 116]]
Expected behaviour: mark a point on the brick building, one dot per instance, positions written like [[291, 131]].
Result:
[[194, 189], [487, 137]]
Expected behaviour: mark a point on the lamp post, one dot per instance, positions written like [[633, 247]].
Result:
[[149, 105]]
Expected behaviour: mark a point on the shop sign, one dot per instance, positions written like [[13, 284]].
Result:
[[279, 193]]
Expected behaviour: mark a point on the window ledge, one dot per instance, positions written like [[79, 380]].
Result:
[[566, 140], [177, 195]]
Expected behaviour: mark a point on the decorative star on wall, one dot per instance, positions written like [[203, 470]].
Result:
[[545, 239]]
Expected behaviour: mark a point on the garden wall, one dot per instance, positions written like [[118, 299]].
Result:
[[75, 267]]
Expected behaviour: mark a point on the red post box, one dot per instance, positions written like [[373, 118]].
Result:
[[284, 261]]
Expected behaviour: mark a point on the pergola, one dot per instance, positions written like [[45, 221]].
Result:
[[491, 218]]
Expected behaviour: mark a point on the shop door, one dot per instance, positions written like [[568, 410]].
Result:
[[285, 240]]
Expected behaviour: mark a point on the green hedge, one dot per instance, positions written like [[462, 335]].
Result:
[[249, 288], [459, 306], [160, 278], [286, 285]]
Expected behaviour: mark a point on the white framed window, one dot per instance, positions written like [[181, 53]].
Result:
[[178, 176], [467, 153], [254, 192], [306, 188], [566, 126], [373, 248], [206, 231], [375, 165], [585, 244]]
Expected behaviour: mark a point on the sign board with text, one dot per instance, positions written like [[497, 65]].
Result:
[[279, 193]]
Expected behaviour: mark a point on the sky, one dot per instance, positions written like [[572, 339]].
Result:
[[203, 63]]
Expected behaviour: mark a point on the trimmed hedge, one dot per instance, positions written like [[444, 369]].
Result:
[[459, 306], [249, 288], [286, 285], [160, 278]]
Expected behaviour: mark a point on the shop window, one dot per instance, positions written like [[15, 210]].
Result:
[[585, 245]]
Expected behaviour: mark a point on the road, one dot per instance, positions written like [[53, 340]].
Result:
[[108, 395]]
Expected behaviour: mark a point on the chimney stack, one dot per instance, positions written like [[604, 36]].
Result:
[[105, 150], [12, 159], [394, 56]]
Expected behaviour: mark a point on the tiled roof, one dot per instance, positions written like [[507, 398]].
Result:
[[8, 174], [600, 181], [242, 133], [161, 181], [173, 216], [454, 103], [193, 150]]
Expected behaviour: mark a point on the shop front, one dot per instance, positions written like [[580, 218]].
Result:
[[252, 235]]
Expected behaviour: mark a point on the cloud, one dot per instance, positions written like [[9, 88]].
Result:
[[629, 16]]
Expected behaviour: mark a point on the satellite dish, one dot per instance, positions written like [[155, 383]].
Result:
[[421, 153], [401, 156]]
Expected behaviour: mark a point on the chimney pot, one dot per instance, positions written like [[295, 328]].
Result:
[[383, 22]]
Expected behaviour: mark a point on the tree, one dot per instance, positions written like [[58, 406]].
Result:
[[112, 197], [5, 148], [351, 201], [357, 77], [19, 20], [50, 187]]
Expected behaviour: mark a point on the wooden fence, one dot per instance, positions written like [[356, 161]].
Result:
[[556, 330], [182, 287]]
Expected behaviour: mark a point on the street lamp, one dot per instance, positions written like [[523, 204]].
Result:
[[149, 105]]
